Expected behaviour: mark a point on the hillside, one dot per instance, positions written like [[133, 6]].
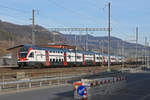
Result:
[[22, 33], [12, 34], [97, 43]]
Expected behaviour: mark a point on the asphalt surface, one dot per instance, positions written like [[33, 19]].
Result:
[[137, 88]]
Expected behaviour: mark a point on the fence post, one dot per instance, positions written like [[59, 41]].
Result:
[[40, 84], [66, 81], [50, 82], [58, 81], [0, 88], [30, 85], [17, 86]]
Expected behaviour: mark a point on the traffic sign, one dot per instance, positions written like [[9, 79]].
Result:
[[80, 90]]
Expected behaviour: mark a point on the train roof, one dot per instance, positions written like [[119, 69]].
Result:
[[48, 48], [65, 50]]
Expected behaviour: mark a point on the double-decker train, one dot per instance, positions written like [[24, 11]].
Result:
[[29, 55]]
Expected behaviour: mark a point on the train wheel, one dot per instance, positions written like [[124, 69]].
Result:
[[39, 66], [20, 66]]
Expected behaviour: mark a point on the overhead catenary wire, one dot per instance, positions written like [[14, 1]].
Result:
[[19, 19], [79, 14], [51, 20], [14, 9], [14, 17]]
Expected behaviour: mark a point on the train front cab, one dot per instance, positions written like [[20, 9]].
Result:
[[25, 55]]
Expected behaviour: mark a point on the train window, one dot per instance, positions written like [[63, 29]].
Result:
[[78, 57], [53, 60], [50, 60], [31, 54], [24, 49], [69, 56], [113, 58]]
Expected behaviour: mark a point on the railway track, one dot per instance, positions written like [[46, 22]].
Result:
[[14, 69], [12, 74], [6, 71]]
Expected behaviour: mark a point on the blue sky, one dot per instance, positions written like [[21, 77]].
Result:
[[126, 15]]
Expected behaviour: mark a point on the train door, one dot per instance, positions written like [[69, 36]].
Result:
[[31, 57], [65, 59], [103, 60], [47, 63], [110, 58], [83, 57], [94, 62]]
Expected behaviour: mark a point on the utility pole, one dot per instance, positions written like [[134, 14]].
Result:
[[54, 40], [123, 54], [136, 57], [148, 55], [33, 28], [99, 45], [145, 51], [143, 57], [118, 46], [86, 44], [80, 37], [108, 69], [102, 45], [54, 37], [75, 39]]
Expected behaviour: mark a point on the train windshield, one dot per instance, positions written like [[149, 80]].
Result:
[[22, 55], [23, 51]]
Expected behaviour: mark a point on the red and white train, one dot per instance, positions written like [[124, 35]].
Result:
[[47, 56]]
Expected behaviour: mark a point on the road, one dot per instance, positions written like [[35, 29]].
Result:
[[138, 88]]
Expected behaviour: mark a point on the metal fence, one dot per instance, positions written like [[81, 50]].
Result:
[[59, 80], [26, 83]]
